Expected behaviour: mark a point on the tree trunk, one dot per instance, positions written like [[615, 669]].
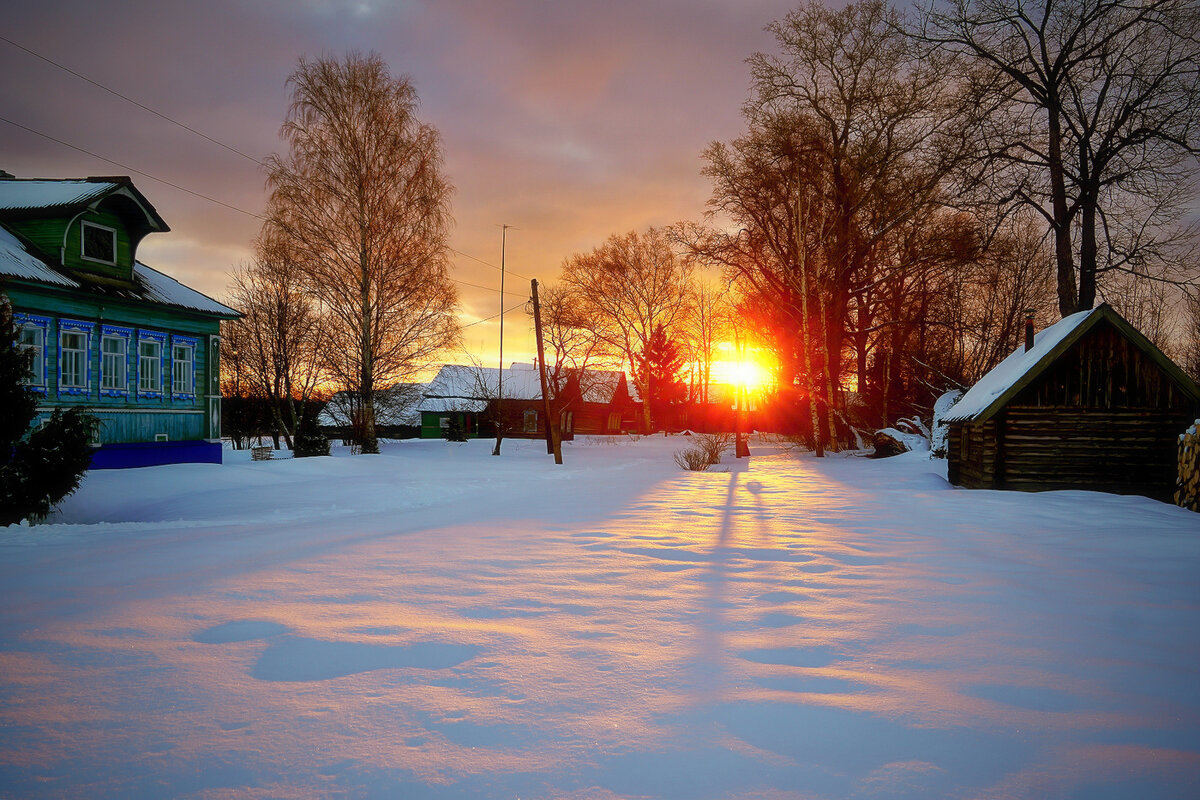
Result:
[[1087, 252], [369, 443], [1068, 300]]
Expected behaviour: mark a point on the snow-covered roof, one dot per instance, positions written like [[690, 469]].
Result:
[[148, 283], [18, 262], [1014, 373], [600, 385], [1006, 375], [521, 382], [440, 404], [162, 288], [21, 194]]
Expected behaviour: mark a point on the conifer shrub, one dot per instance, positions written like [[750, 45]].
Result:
[[40, 468], [309, 441], [454, 431]]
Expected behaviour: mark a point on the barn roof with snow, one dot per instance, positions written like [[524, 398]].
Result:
[[1093, 404], [994, 390]]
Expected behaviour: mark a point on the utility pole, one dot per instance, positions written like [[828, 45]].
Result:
[[553, 434], [500, 380]]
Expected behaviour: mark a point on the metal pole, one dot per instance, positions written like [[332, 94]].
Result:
[[500, 380]]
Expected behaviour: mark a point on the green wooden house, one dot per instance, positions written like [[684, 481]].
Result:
[[135, 347]]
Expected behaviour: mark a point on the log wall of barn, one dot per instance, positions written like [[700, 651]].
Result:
[[1130, 451], [976, 465]]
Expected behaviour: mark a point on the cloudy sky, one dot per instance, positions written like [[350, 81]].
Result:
[[569, 120]]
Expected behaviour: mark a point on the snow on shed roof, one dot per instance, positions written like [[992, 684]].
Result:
[[18, 262], [163, 288], [995, 389], [18, 194], [1008, 374]]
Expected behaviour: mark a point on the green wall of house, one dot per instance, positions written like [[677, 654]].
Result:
[[127, 413], [61, 237]]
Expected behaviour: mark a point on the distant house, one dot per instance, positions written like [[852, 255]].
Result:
[[589, 402], [133, 346], [396, 415], [1091, 405]]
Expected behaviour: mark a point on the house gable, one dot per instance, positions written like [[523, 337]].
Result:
[[1021, 370], [89, 228]]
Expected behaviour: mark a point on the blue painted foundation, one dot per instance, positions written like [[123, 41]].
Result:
[[153, 454]]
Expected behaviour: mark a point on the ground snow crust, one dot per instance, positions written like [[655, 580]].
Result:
[[435, 622]]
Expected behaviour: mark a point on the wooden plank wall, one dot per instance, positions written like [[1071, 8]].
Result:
[[1121, 450]]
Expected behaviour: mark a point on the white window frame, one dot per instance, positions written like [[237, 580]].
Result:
[[120, 385], [83, 226], [154, 388], [39, 325], [85, 359], [530, 414], [189, 383]]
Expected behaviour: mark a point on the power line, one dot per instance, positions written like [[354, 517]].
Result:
[[127, 99], [486, 263], [133, 169], [495, 316], [186, 127], [213, 199]]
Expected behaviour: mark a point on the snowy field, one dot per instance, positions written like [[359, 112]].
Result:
[[438, 623]]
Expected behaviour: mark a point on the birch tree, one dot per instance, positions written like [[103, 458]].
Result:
[[628, 287], [361, 200]]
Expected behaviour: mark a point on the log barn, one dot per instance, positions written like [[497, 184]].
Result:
[[1088, 403]]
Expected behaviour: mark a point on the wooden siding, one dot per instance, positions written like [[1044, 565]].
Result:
[[1103, 370], [980, 469], [47, 235], [1056, 447], [131, 417]]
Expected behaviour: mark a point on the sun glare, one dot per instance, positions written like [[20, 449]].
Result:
[[751, 372]]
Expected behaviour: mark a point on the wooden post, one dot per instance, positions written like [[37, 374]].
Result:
[[553, 436]]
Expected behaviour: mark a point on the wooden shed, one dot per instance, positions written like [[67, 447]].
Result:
[[1090, 403]]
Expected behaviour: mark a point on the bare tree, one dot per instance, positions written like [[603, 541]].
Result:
[[362, 203], [1091, 118], [278, 341], [573, 349], [708, 326], [626, 288]]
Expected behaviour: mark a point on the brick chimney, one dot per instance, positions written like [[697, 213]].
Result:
[[1029, 329]]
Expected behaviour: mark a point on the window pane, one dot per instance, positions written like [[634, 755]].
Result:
[[99, 243], [31, 339], [149, 366], [112, 370], [74, 359]]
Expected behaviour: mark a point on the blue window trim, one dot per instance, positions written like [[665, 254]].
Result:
[[76, 326], [22, 319], [187, 341], [123, 333], [161, 338]]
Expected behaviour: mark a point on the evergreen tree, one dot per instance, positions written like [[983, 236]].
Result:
[[309, 440], [454, 431], [662, 360], [38, 471]]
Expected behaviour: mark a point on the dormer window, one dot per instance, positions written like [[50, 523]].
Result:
[[99, 243]]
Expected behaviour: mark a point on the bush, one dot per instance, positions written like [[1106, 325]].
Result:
[[693, 459], [309, 440], [39, 470], [714, 445]]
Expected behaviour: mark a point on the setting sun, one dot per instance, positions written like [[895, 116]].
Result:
[[752, 371]]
